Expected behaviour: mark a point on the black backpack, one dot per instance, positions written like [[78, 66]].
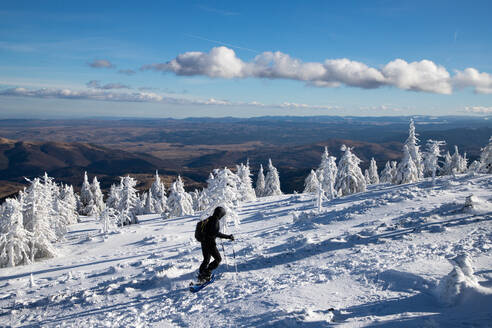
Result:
[[200, 230]]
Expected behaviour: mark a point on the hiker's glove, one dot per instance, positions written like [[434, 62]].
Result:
[[231, 237]]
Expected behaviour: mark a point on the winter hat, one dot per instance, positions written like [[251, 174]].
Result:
[[219, 212]]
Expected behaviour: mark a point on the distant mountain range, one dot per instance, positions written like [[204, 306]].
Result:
[[194, 147]]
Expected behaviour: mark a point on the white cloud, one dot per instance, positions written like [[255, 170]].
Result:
[[470, 77], [479, 109], [424, 75], [418, 76], [109, 86], [101, 63], [127, 71], [118, 96]]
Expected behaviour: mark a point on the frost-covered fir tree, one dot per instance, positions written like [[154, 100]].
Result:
[[474, 167], [37, 217], [179, 201], [66, 205], [431, 158], [15, 241], [109, 220], [373, 172], [407, 171], [447, 168], [222, 190], [387, 174], [159, 196], [327, 173], [311, 184], [367, 177], [349, 177], [97, 198], [456, 163], [486, 158], [86, 197], [148, 203], [260, 183], [114, 197], [245, 187], [414, 150], [272, 181], [129, 201]]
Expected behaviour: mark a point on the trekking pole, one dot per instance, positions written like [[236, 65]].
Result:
[[223, 251], [236, 277]]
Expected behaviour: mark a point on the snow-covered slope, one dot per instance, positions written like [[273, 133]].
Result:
[[378, 258]]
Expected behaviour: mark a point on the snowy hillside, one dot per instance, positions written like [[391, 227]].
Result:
[[376, 258]]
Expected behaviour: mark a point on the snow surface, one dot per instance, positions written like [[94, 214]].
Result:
[[393, 256]]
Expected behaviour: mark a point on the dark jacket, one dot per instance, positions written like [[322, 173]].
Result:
[[212, 228]]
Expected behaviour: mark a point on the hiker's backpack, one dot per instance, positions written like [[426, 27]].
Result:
[[200, 230]]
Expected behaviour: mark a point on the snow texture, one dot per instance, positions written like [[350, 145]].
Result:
[[410, 255]]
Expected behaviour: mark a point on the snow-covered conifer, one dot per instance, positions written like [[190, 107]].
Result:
[[159, 194], [179, 201], [15, 241], [349, 177], [407, 171], [37, 220], [108, 220], [367, 177], [327, 173], [272, 181], [386, 174], [97, 198], [431, 158], [413, 150], [474, 167], [447, 168], [486, 158], [128, 201], [458, 163], [86, 197], [148, 203], [311, 184], [114, 197], [373, 172], [260, 183], [245, 187]]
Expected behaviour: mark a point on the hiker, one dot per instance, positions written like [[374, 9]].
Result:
[[210, 231]]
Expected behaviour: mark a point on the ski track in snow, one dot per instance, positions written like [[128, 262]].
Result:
[[369, 259]]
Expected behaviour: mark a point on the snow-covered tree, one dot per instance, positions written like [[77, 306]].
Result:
[[311, 184], [272, 181], [414, 150], [373, 172], [109, 220], [327, 173], [386, 174], [245, 187], [148, 203], [349, 177], [128, 201], [179, 201], [447, 168], [260, 183], [15, 241], [486, 158], [458, 163], [86, 197], [37, 217], [474, 167], [158, 191], [407, 171], [97, 198], [114, 197], [367, 177], [66, 206], [222, 190], [431, 158]]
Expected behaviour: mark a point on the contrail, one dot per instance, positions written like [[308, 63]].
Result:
[[221, 43]]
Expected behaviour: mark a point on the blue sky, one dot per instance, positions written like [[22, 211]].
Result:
[[231, 58]]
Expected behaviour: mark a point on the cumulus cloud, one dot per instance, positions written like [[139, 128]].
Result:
[[470, 77], [421, 76], [94, 84], [101, 63], [479, 109]]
